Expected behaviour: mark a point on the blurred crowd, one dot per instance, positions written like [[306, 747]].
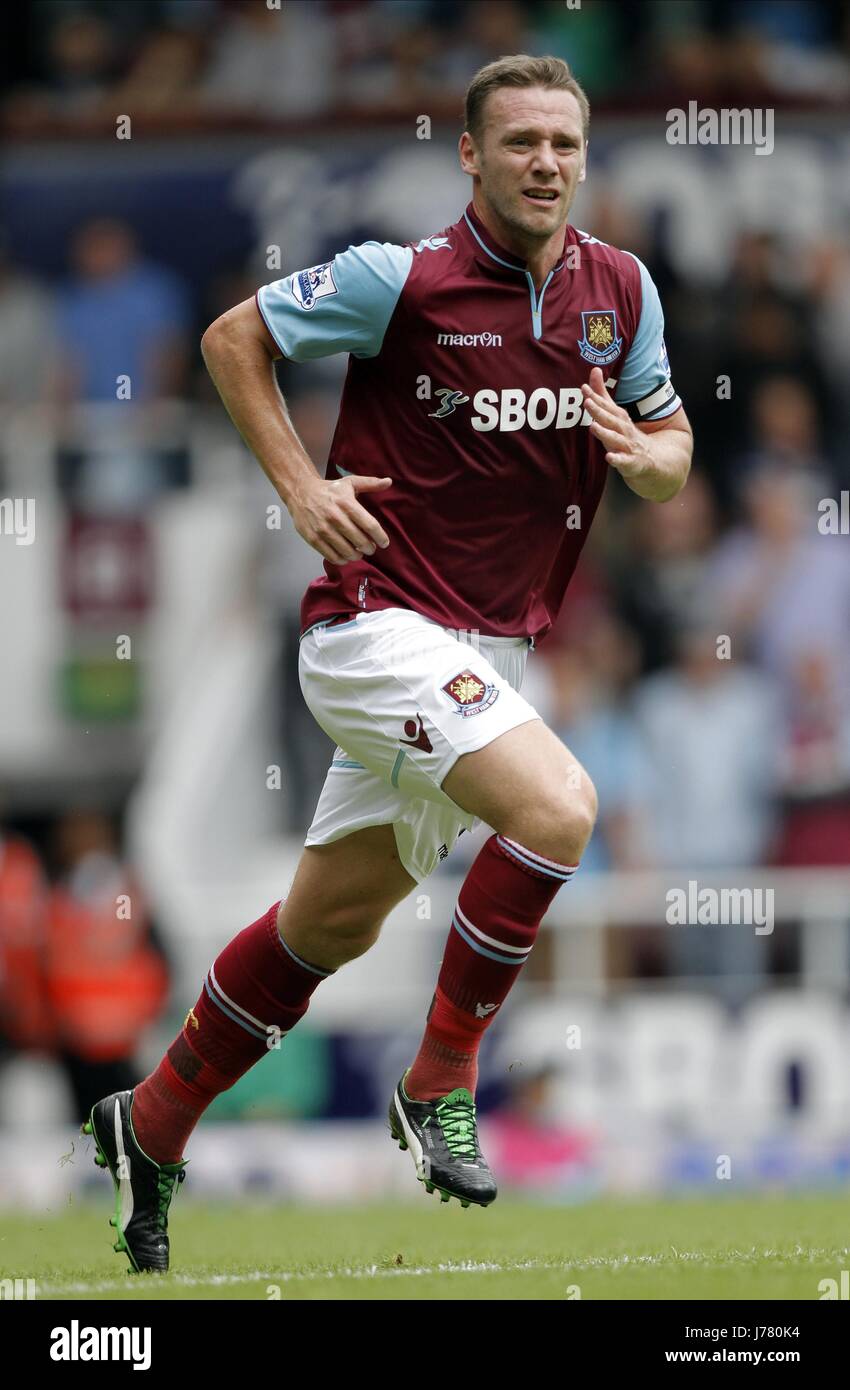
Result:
[[83, 970], [755, 730], [81, 62], [700, 668]]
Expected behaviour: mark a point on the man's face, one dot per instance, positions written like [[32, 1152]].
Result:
[[529, 159]]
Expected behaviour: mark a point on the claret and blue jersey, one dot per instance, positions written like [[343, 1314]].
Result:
[[464, 386]]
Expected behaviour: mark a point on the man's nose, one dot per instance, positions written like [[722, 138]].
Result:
[[544, 159]]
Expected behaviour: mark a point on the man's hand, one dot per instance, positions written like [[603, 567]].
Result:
[[626, 447], [327, 515], [654, 467], [239, 351]]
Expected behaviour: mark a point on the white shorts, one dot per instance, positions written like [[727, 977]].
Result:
[[403, 698]]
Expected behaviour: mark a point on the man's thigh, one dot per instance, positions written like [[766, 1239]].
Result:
[[522, 770], [358, 878], [405, 698]]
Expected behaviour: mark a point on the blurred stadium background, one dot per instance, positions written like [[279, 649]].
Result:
[[157, 765]]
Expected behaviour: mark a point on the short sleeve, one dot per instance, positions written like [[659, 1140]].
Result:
[[344, 305], [645, 388]]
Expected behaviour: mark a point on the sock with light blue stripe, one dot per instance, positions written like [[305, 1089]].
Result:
[[501, 904], [255, 992]]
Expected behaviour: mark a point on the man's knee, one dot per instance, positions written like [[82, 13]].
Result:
[[581, 811], [353, 929], [528, 786], [344, 931], [559, 822], [341, 895]]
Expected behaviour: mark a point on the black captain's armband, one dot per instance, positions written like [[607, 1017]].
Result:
[[659, 403]]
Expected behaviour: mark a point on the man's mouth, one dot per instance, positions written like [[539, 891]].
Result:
[[540, 195]]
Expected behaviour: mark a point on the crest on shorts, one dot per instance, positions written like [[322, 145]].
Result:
[[470, 694], [600, 344]]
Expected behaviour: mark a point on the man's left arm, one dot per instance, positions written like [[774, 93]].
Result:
[[643, 427], [652, 456]]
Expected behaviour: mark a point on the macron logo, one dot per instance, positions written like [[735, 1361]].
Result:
[[469, 339], [76, 1343]]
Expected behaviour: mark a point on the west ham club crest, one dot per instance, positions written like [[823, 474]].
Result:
[[600, 344], [470, 695]]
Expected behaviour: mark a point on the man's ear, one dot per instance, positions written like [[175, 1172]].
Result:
[[467, 154], [583, 174]]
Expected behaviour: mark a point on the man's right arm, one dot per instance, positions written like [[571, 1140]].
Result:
[[239, 352]]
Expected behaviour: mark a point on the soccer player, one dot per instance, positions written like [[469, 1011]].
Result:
[[498, 371]]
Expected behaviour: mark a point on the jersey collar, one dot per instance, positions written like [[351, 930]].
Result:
[[488, 252]]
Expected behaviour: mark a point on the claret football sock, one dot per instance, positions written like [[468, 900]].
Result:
[[256, 991], [499, 909]]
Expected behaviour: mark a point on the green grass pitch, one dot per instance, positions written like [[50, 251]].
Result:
[[772, 1247]]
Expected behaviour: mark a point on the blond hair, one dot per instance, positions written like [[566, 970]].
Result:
[[520, 70]]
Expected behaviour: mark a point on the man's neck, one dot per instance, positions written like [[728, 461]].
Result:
[[540, 256]]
